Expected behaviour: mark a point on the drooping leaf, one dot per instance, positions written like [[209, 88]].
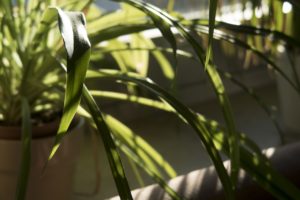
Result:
[[157, 53], [234, 40], [118, 30], [273, 35], [137, 148], [185, 112], [149, 155], [263, 174], [214, 79], [234, 153], [254, 163], [131, 98], [140, 147], [72, 27], [110, 146], [151, 173], [268, 109], [26, 152]]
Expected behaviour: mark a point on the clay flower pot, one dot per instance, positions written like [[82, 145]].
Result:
[[56, 181]]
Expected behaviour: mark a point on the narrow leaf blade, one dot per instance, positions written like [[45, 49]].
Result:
[[26, 151], [110, 147], [72, 28]]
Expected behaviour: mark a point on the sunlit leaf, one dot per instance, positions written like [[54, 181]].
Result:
[[235, 41], [72, 27], [140, 147], [212, 17], [110, 147], [214, 78], [160, 21], [151, 173], [253, 162], [185, 112]]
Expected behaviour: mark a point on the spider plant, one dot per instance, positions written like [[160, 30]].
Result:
[[43, 77]]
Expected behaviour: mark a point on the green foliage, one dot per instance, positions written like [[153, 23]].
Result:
[[42, 77], [26, 151]]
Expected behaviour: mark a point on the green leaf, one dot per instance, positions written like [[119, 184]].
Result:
[[110, 147], [131, 60], [160, 21], [170, 6], [149, 156], [128, 15], [273, 35], [264, 174], [157, 53], [137, 144], [151, 173], [212, 18], [254, 163], [115, 31], [234, 153], [214, 79], [136, 148], [186, 113], [252, 159], [268, 109], [26, 151], [72, 28], [163, 62], [132, 98], [235, 41], [139, 59]]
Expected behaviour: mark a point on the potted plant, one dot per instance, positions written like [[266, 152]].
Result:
[[41, 83], [36, 77], [32, 105]]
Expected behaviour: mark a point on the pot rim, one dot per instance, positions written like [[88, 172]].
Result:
[[46, 130]]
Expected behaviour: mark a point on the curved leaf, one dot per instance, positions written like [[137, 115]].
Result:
[[118, 30], [254, 163], [151, 173], [110, 147], [77, 45], [140, 147], [136, 148], [214, 79], [186, 113], [234, 40], [248, 29]]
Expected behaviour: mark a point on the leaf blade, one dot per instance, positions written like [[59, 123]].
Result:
[[26, 151], [77, 45], [110, 147], [185, 112]]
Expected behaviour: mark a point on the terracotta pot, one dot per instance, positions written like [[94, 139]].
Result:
[[56, 182]]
